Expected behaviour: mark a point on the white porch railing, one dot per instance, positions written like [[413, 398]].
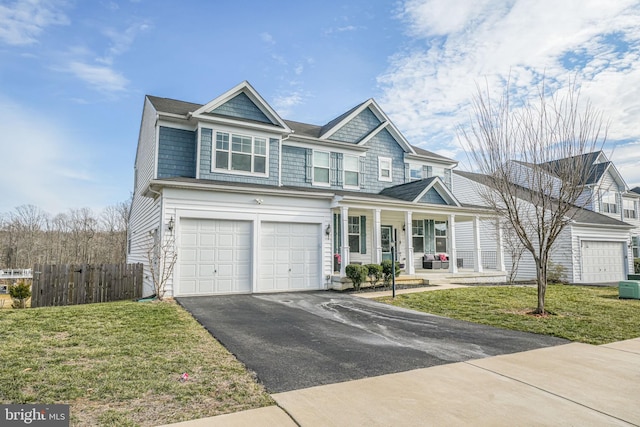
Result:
[[16, 273]]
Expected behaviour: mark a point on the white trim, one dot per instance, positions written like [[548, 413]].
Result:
[[253, 95], [316, 144], [373, 133], [199, 149], [384, 178], [448, 194], [157, 151]]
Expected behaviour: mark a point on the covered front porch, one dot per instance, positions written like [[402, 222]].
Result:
[[423, 239]]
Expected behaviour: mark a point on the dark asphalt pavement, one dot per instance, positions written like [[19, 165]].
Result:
[[304, 339]]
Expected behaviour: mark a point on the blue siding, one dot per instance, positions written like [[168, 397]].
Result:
[[433, 197], [205, 163], [358, 128], [383, 145], [242, 107], [176, 153]]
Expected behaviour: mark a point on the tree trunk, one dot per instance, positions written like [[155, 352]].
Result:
[[541, 279]]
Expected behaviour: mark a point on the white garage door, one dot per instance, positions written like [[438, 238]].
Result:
[[214, 257], [289, 257], [602, 262]]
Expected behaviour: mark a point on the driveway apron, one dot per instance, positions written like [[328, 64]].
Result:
[[304, 339]]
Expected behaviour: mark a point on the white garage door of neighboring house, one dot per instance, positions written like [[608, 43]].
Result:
[[602, 261], [214, 257], [289, 257]]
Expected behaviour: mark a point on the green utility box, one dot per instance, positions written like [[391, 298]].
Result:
[[629, 289]]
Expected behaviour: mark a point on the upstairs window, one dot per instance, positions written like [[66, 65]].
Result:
[[240, 153], [321, 167], [385, 173], [609, 204], [629, 208], [415, 172], [351, 171]]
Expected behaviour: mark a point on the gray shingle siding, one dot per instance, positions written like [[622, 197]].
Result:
[[205, 163], [176, 153], [432, 197], [295, 170], [359, 127], [383, 145], [242, 107]]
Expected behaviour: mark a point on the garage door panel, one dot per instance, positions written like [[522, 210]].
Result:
[[212, 258], [289, 256], [602, 261]]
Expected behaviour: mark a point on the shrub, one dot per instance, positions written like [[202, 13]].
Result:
[[555, 273], [636, 265], [374, 271], [357, 274], [387, 270], [20, 292]]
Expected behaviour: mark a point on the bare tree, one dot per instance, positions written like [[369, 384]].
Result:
[[515, 249], [162, 257], [519, 147]]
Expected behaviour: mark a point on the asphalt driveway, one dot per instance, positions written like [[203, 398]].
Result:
[[304, 339]]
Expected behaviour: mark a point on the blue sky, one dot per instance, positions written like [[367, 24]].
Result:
[[73, 74]]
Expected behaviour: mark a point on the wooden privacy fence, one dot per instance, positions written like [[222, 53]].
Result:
[[55, 285]]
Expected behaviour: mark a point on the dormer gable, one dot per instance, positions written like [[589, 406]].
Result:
[[243, 103], [361, 124], [430, 190]]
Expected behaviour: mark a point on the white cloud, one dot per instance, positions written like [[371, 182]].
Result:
[[427, 87], [121, 40], [23, 21], [284, 104], [43, 165], [100, 77], [267, 38]]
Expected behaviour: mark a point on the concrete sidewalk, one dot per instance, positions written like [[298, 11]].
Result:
[[572, 384]]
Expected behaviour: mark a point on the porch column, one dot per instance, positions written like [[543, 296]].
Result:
[[377, 237], [453, 262], [499, 248], [477, 255], [344, 231], [409, 268]]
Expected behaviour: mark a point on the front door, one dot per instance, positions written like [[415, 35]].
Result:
[[386, 231]]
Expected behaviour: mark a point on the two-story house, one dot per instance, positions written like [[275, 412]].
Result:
[[599, 243], [251, 202]]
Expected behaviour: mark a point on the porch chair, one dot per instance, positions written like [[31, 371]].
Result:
[[429, 261]]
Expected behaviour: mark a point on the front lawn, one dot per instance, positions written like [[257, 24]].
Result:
[[586, 314], [120, 364]]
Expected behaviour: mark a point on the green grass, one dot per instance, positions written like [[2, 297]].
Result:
[[120, 364], [591, 315]]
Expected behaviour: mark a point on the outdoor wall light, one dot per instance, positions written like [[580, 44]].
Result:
[[170, 224], [327, 230], [259, 201], [404, 227]]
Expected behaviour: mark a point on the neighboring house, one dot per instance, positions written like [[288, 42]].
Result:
[[601, 241], [255, 203]]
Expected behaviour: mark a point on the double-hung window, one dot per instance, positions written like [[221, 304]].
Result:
[[240, 153], [609, 204], [417, 232], [351, 171], [415, 172], [629, 208], [321, 166], [385, 172]]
